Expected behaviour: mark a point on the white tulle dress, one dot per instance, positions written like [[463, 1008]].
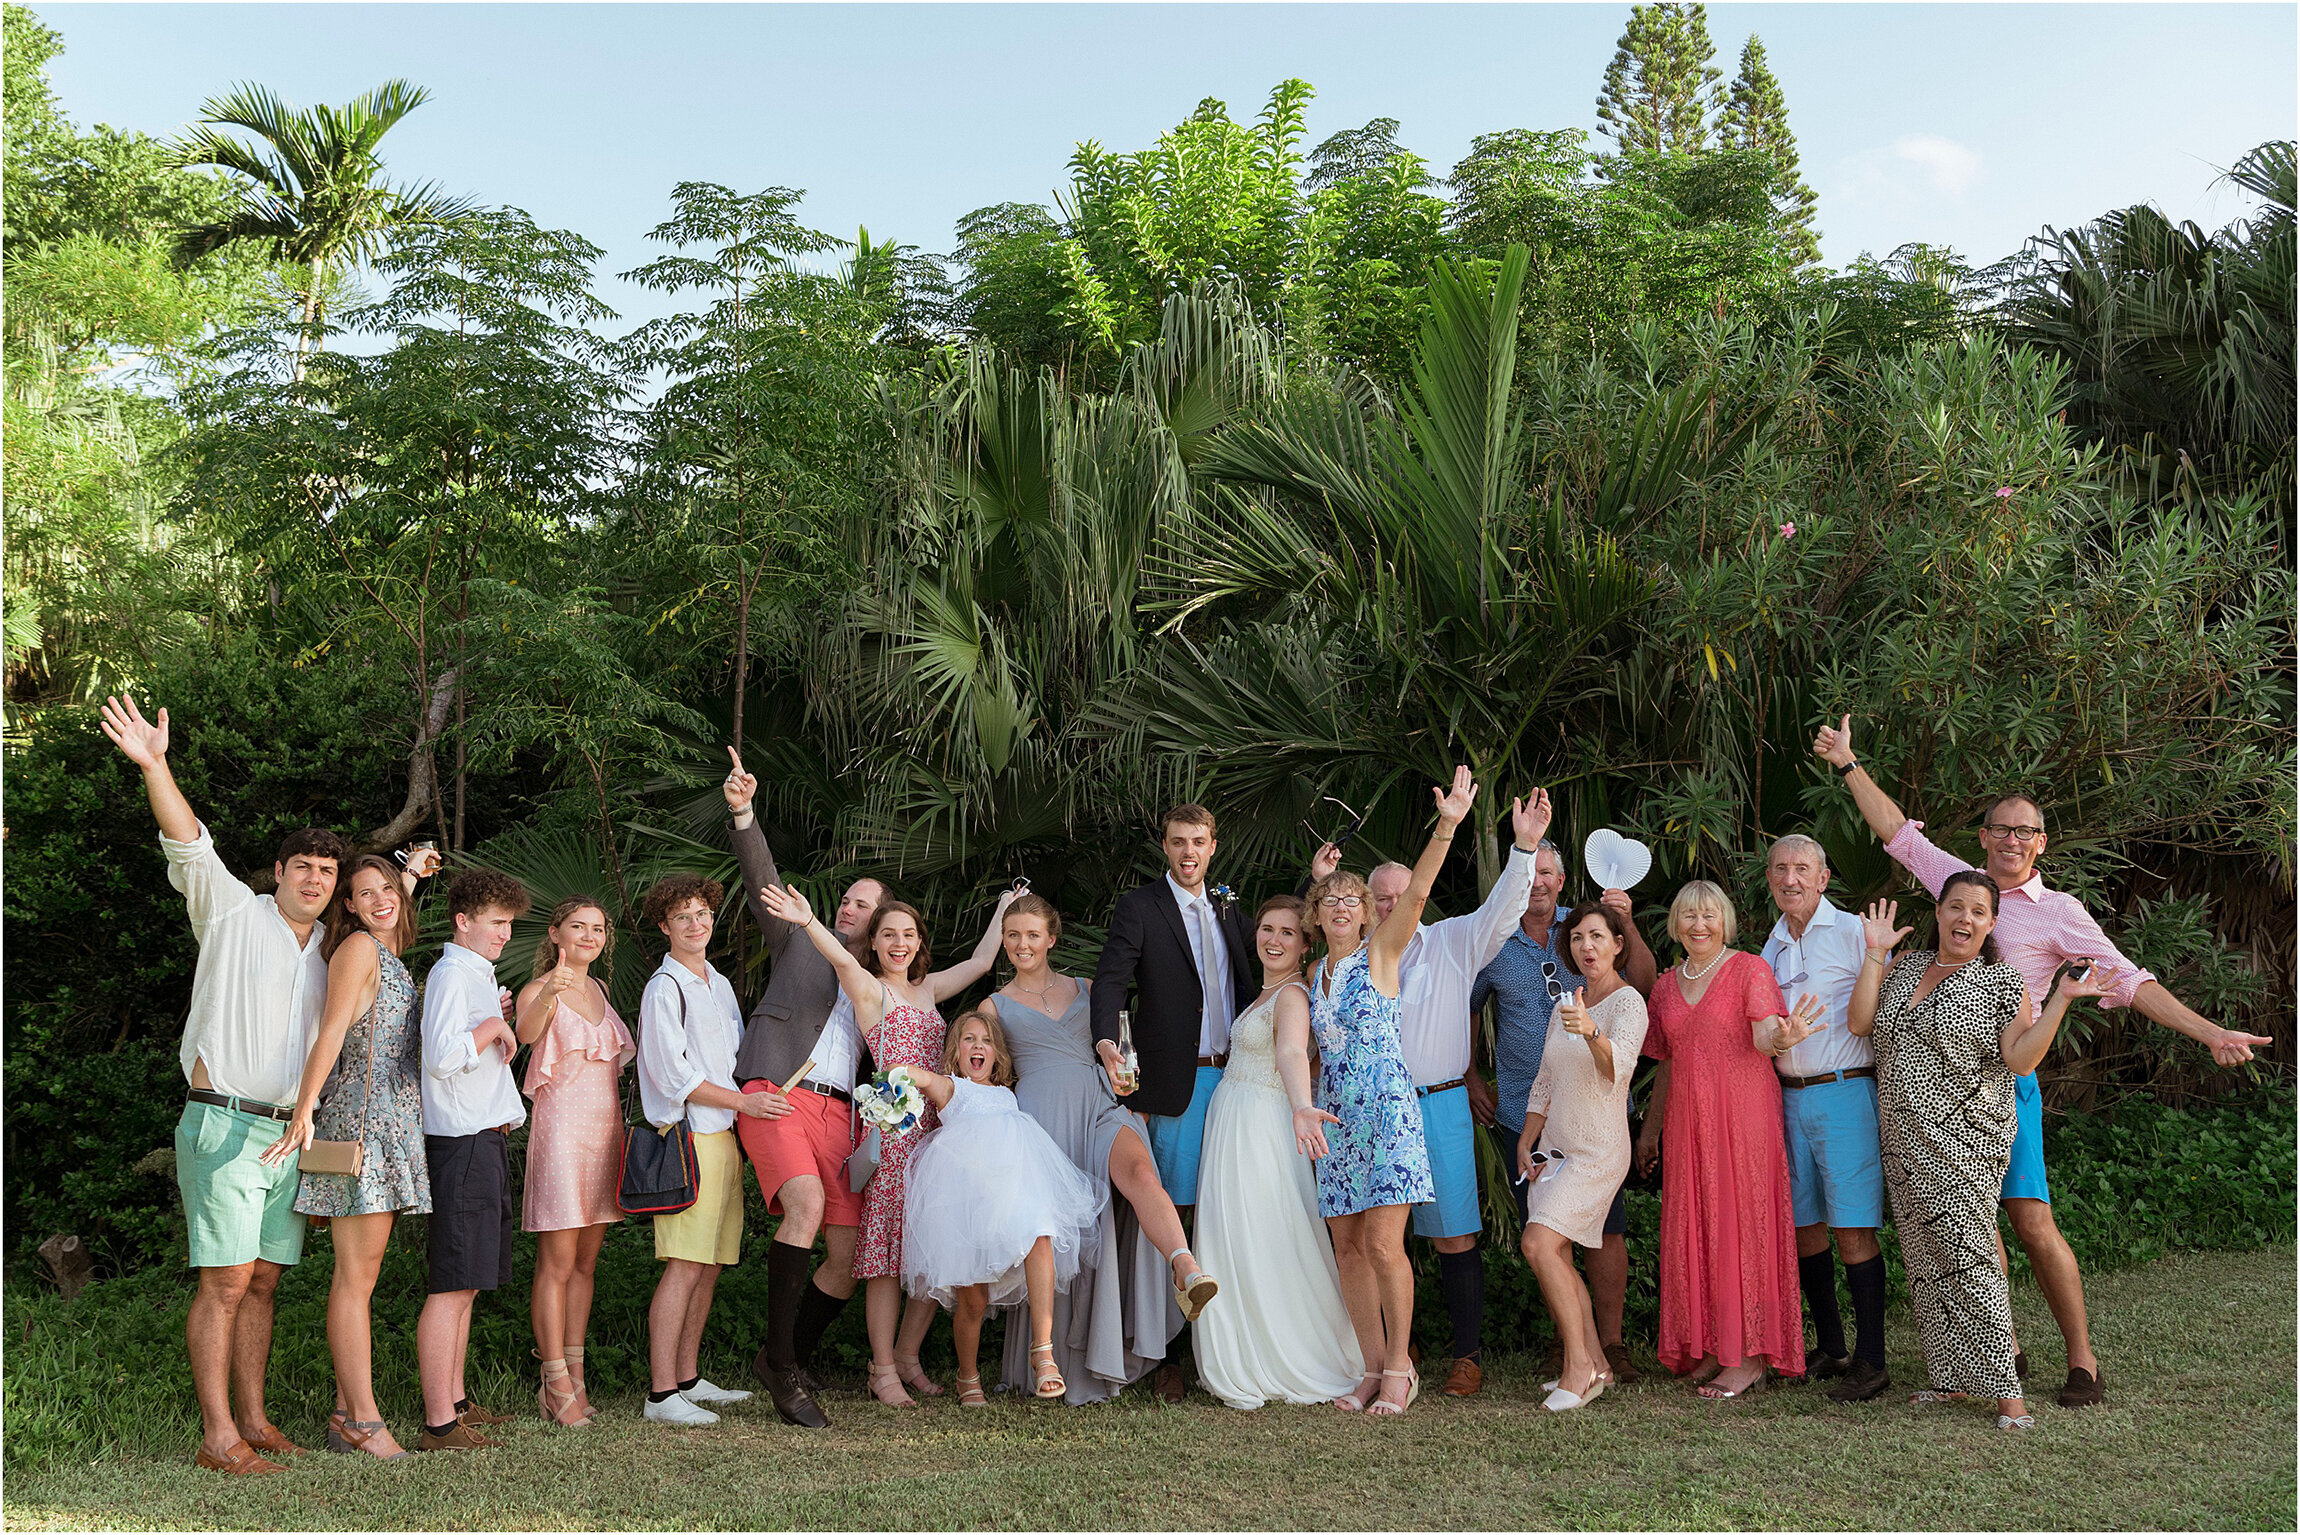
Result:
[[985, 1187]]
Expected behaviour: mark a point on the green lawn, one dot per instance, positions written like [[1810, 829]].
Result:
[[2198, 1432]]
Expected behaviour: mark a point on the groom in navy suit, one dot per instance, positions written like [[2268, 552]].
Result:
[[1182, 959]]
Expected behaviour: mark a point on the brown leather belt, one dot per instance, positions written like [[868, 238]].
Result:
[[1829, 1076], [1215, 1060], [1439, 1087], [242, 1105]]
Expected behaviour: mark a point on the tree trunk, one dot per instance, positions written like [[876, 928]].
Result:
[[304, 341], [422, 776]]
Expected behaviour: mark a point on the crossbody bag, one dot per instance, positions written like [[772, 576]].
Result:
[[659, 1172]]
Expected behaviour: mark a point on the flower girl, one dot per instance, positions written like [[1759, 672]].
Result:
[[994, 1210]]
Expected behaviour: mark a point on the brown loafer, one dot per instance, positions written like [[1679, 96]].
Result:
[[2082, 1390], [238, 1461], [460, 1437], [1617, 1360], [1169, 1384], [272, 1442], [1466, 1379], [476, 1414]]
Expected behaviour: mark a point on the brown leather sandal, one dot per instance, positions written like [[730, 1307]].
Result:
[[239, 1460]]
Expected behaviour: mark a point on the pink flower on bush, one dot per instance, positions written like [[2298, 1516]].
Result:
[[1788, 530]]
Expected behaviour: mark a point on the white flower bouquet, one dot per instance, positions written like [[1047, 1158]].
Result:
[[891, 1102]]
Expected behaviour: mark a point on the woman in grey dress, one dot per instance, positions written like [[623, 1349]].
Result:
[[368, 1058], [1119, 1314]]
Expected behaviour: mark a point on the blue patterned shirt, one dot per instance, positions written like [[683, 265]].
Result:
[[1520, 990]]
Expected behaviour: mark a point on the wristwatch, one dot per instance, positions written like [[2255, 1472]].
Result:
[[1848, 767]]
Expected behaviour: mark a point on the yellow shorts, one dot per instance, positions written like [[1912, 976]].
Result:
[[711, 1229]]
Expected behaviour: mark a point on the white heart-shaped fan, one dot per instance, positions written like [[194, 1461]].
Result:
[[1615, 862]]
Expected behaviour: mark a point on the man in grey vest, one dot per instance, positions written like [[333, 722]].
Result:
[[801, 1156]]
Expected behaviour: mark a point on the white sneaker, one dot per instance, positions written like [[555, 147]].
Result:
[[703, 1393], [675, 1408]]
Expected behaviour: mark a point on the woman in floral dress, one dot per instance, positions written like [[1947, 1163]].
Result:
[[370, 1046], [885, 976], [1377, 1165]]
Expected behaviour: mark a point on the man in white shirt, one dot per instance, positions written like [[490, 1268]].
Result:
[[256, 998], [690, 1028], [1436, 1028], [470, 1107], [1829, 1111]]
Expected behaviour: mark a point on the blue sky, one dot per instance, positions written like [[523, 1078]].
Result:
[[1963, 125]]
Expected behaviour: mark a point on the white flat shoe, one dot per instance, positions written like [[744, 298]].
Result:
[[704, 1394], [1561, 1400], [678, 1410]]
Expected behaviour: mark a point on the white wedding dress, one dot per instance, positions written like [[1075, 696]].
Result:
[[1278, 1332]]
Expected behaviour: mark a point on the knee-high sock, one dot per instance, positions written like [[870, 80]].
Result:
[[1867, 1282], [787, 1268], [1817, 1275], [1462, 1277], [816, 1312]]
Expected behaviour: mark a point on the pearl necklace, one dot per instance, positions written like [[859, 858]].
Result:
[[1686, 974]]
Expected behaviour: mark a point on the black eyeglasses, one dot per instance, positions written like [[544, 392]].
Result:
[[2013, 833]]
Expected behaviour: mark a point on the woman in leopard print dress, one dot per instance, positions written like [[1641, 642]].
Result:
[[1953, 1028]]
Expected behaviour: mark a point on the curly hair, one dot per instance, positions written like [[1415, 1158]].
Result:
[[477, 890], [1001, 1053], [313, 842], [1341, 882], [673, 891]]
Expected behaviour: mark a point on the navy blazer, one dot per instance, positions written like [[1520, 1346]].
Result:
[[1147, 966]]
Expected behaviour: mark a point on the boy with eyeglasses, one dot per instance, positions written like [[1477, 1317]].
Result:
[[2037, 930]]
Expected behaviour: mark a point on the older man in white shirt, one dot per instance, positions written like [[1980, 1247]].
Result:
[[256, 997], [1437, 1030], [1829, 1112]]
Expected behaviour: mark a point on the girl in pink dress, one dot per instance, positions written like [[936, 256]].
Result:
[[885, 976], [1729, 1298], [574, 1141]]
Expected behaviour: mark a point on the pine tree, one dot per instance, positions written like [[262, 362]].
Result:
[[1658, 88], [1756, 118]]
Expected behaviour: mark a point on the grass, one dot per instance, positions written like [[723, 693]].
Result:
[[2198, 1432]]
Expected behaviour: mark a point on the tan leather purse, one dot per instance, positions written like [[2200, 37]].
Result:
[[346, 1157]]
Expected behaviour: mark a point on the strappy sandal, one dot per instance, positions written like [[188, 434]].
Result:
[[970, 1391], [575, 1379], [915, 1377], [1051, 1385], [1934, 1394], [2007, 1424], [1192, 1292], [885, 1379], [1377, 1408], [1710, 1391], [1355, 1401], [347, 1436], [557, 1400]]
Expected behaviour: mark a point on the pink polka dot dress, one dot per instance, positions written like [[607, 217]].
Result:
[[575, 1136]]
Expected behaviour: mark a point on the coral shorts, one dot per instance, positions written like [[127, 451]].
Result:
[[812, 1141]]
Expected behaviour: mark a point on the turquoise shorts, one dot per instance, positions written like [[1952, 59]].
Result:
[[238, 1208], [1452, 1142], [2024, 1176], [1836, 1161], [1175, 1139]]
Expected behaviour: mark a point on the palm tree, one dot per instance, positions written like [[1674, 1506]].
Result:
[[315, 194]]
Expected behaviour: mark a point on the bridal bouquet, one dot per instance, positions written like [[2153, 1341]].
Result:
[[891, 1101]]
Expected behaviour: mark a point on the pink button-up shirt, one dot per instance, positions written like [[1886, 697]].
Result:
[[2037, 929]]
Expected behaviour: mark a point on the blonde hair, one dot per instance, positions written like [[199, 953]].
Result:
[[1341, 882], [1001, 1053], [1699, 893], [547, 951]]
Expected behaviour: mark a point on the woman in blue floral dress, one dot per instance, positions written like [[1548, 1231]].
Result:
[[1377, 1165]]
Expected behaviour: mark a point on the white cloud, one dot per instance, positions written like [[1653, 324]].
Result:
[[1946, 165]]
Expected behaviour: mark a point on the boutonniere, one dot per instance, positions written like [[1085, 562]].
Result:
[[1224, 894]]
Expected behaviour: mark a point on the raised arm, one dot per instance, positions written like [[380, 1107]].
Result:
[[754, 860], [1834, 745], [2030, 1034], [145, 743], [1397, 930], [868, 994], [1881, 935], [352, 977], [949, 983], [1638, 966]]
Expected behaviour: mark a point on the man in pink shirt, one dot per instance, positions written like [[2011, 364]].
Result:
[[2037, 931]]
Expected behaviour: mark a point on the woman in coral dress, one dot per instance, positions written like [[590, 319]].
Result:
[[885, 976], [1729, 1298], [574, 1141]]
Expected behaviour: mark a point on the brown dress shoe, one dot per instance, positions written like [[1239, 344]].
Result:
[[460, 1437], [2083, 1389], [476, 1414], [1617, 1360], [1169, 1383], [1466, 1379], [272, 1442], [239, 1460]]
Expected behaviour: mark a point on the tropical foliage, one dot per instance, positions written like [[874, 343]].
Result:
[[1247, 473]]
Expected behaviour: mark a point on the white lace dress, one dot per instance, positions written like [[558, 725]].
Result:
[[1278, 1332]]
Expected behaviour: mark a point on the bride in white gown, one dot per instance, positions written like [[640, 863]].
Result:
[[1281, 1333]]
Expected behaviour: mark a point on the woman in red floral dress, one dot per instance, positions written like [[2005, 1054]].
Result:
[[885, 976]]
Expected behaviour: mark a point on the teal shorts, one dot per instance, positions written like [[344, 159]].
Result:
[[238, 1208]]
